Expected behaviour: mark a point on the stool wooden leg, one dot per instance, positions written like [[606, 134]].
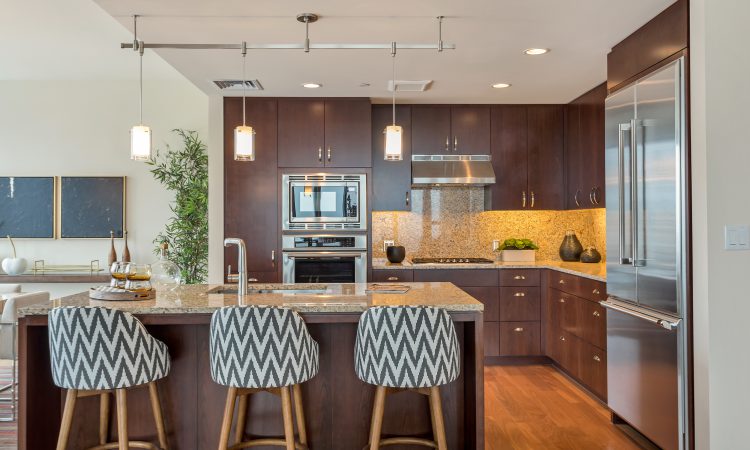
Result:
[[226, 423], [122, 418], [103, 418], [300, 414], [239, 431], [436, 408], [67, 419], [376, 424], [158, 418], [286, 410]]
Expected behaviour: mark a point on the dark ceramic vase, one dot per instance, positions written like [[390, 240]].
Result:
[[571, 248], [395, 254], [591, 255]]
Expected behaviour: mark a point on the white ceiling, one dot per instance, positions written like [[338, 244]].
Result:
[[490, 36]]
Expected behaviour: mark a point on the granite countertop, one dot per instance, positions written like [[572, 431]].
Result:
[[333, 298], [597, 271]]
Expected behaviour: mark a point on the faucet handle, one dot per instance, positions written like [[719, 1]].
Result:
[[232, 277]]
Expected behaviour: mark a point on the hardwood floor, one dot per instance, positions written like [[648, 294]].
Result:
[[536, 407]]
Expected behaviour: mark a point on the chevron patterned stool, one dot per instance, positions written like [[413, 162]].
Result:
[[101, 351], [407, 348], [256, 349]]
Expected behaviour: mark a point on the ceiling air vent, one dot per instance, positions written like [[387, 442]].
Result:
[[410, 85], [236, 85]]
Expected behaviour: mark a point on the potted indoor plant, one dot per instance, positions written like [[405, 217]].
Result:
[[517, 250]]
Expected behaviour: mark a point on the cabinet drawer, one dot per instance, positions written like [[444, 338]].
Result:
[[519, 338], [519, 304], [459, 277], [593, 369], [489, 297], [582, 287], [519, 277], [594, 323], [392, 275], [567, 350], [491, 338]]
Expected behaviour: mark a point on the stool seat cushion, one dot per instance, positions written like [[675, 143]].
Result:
[[406, 347], [103, 348], [261, 347]]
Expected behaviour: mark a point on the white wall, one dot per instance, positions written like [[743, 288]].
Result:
[[720, 159], [69, 127]]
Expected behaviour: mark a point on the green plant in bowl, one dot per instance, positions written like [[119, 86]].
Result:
[[517, 244]]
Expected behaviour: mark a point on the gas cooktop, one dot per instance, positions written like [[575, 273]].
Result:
[[451, 261]]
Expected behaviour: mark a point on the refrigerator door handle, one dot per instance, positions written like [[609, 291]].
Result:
[[665, 322], [634, 220], [622, 128]]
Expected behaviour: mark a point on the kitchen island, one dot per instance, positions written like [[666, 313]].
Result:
[[337, 404]]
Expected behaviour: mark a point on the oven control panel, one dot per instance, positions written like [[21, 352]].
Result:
[[324, 242]]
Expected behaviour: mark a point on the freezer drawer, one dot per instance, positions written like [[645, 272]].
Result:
[[643, 376]]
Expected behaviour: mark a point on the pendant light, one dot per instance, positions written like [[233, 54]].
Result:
[[244, 136], [140, 135], [393, 132]]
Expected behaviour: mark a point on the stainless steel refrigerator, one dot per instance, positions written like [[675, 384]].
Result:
[[646, 188]]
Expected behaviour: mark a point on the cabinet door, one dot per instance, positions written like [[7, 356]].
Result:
[[348, 133], [470, 130], [251, 188], [392, 275], [489, 298], [391, 180], [509, 157], [593, 369], [519, 304], [545, 157], [574, 161], [431, 129], [301, 133], [592, 147], [594, 324]]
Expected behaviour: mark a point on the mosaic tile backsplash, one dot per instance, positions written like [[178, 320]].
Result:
[[451, 222]]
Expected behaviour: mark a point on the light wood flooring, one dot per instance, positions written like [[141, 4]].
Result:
[[536, 407]]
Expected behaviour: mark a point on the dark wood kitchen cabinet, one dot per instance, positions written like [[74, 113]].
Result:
[[527, 155], [391, 180], [575, 328], [584, 150], [251, 189], [546, 153], [451, 129], [324, 133]]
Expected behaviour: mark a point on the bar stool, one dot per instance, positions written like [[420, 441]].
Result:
[[103, 351], [256, 349], [411, 348]]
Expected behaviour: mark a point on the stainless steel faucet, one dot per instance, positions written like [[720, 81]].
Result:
[[241, 263]]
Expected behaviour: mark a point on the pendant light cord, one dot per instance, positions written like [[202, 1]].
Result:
[[393, 80], [244, 85], [140, 80]]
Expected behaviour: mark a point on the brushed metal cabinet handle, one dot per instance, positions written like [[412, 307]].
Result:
[[561, 281], [591, 196], [320, 154], [597, 358], [455, 143], [518, 329], [595, 291], [407, 198], [575, 197], [562, 300], [329, 154], [519, 277], [273, 255], [532, 199], [252, 280], [562, 338], [519, 294], [596, 314], [523, 199], [392, 278], [447, 143]]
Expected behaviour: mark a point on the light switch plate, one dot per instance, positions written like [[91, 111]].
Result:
[[736, 237], [388, 243]]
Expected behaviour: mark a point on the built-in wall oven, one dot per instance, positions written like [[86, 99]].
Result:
[[324, 201], [324, 258]]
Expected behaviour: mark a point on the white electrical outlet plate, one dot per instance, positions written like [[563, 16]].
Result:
[[388, 243], [736, 237], [495, 244]]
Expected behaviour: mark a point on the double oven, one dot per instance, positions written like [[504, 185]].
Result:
[[324, 228]]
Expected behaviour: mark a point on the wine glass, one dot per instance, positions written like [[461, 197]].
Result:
[[117, 271], [138, 277]]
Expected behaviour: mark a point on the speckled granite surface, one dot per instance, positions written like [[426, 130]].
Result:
[[334, 298], [451, 222], [596, 272]]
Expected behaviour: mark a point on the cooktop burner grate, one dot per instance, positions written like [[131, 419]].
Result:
[[451, 261]]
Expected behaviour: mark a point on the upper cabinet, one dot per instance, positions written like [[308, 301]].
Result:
[[584, 150], [324, 133], [527, 155], [391, 180], [451, 129]]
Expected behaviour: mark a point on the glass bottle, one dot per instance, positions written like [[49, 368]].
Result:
[[165, 275]]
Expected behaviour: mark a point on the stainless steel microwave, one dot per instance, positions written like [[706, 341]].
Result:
[[320, 201]]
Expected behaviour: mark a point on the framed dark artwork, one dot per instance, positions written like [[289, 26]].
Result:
[[91, 207], [27, 207]]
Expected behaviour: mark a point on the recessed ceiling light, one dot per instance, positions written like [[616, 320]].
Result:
[[311, 85], [536, 51], [500, 85]]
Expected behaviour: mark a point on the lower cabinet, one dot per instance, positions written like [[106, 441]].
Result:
[[520, 339], [575, 329]]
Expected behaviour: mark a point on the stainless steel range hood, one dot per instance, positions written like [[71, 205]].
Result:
[[452, 170]]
